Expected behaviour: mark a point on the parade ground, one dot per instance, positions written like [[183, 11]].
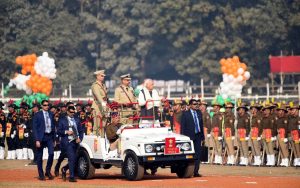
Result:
[[18, 174]]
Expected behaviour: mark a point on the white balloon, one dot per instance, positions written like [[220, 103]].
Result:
[[224, 96], [45, 66], [247, 75], [231, 78], [240, 71], [240, 78]]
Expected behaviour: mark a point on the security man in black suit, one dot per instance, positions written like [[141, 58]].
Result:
[[192, 126]]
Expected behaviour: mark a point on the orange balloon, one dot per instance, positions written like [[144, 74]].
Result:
[[236, 59], [222, 61], [244, 66], [223, 69]]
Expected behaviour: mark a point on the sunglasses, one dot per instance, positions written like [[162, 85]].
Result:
[[45, 104], [71, 112], [195, 104]]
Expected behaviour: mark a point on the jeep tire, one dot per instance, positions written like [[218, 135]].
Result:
[[185, 170], [85, 169], [131, 168]]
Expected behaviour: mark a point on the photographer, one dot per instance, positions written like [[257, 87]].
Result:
[[71, 133]]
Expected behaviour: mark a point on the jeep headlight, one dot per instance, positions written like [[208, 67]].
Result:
[[148, 148], [186, 146]]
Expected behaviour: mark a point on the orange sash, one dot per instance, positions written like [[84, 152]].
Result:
[[242, 134], [21, 133], [205, 131], [268, 134], [216, 132], [95, 144], [281, 133], [8, 128], [0, 130], [176, 126], [228, 133], [89, 127], [295, 136], [254, 133]]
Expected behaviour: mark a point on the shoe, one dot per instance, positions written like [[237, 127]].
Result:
[[63, 174], [197, 175], [32, 163], [42, 178], [72, 180], [146, 173], [49, 175], [56, 173]]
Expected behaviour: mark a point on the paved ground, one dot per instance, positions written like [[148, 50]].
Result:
[[19, 174]]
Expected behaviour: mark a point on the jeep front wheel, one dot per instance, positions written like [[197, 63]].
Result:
[[185, 170], [85, 169], [131, 168]]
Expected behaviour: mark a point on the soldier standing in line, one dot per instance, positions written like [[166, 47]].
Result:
[[293, 129], [23, 129], [216, 131], [124, 96], [2, 131], [11, 131], [281, 125], [99, 91], [206, 122], [255, 132], [268, 135], [177, 116], [229, 136], [243, 128]]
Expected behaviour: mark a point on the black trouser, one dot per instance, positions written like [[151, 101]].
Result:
[[60, 159], [32, 146], [11, 143], [197, 146]]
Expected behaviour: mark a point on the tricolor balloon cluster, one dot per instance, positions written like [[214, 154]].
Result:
[[235, 75], [41, 73]]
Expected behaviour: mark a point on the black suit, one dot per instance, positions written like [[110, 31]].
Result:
[[188, 128]]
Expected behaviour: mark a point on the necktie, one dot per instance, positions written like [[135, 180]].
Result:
[[196, 122], [48, 129]]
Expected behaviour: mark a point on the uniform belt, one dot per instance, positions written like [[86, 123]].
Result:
[[47, 134]]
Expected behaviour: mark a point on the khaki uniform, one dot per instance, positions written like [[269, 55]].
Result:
[[243, 127], [99, 105], [207, 127], [255, 133], [281, 124], [269, 129], [216, 132], [124, 95], [229, 131], [293, 124]]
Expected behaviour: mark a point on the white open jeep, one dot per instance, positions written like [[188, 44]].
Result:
[[141, 149]]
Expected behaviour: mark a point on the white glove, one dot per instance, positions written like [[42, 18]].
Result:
[[15, 132], [247, 138], [2, 134], [285, 140], [26, 135], [219, 138], [12, 136], [273, 138], [24, 126], [233, 137], [119, 131], [258, 138], [208, 135]]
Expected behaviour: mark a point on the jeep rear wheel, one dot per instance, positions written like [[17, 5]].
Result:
[[85, 169], [185, 170], [131, 168]]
